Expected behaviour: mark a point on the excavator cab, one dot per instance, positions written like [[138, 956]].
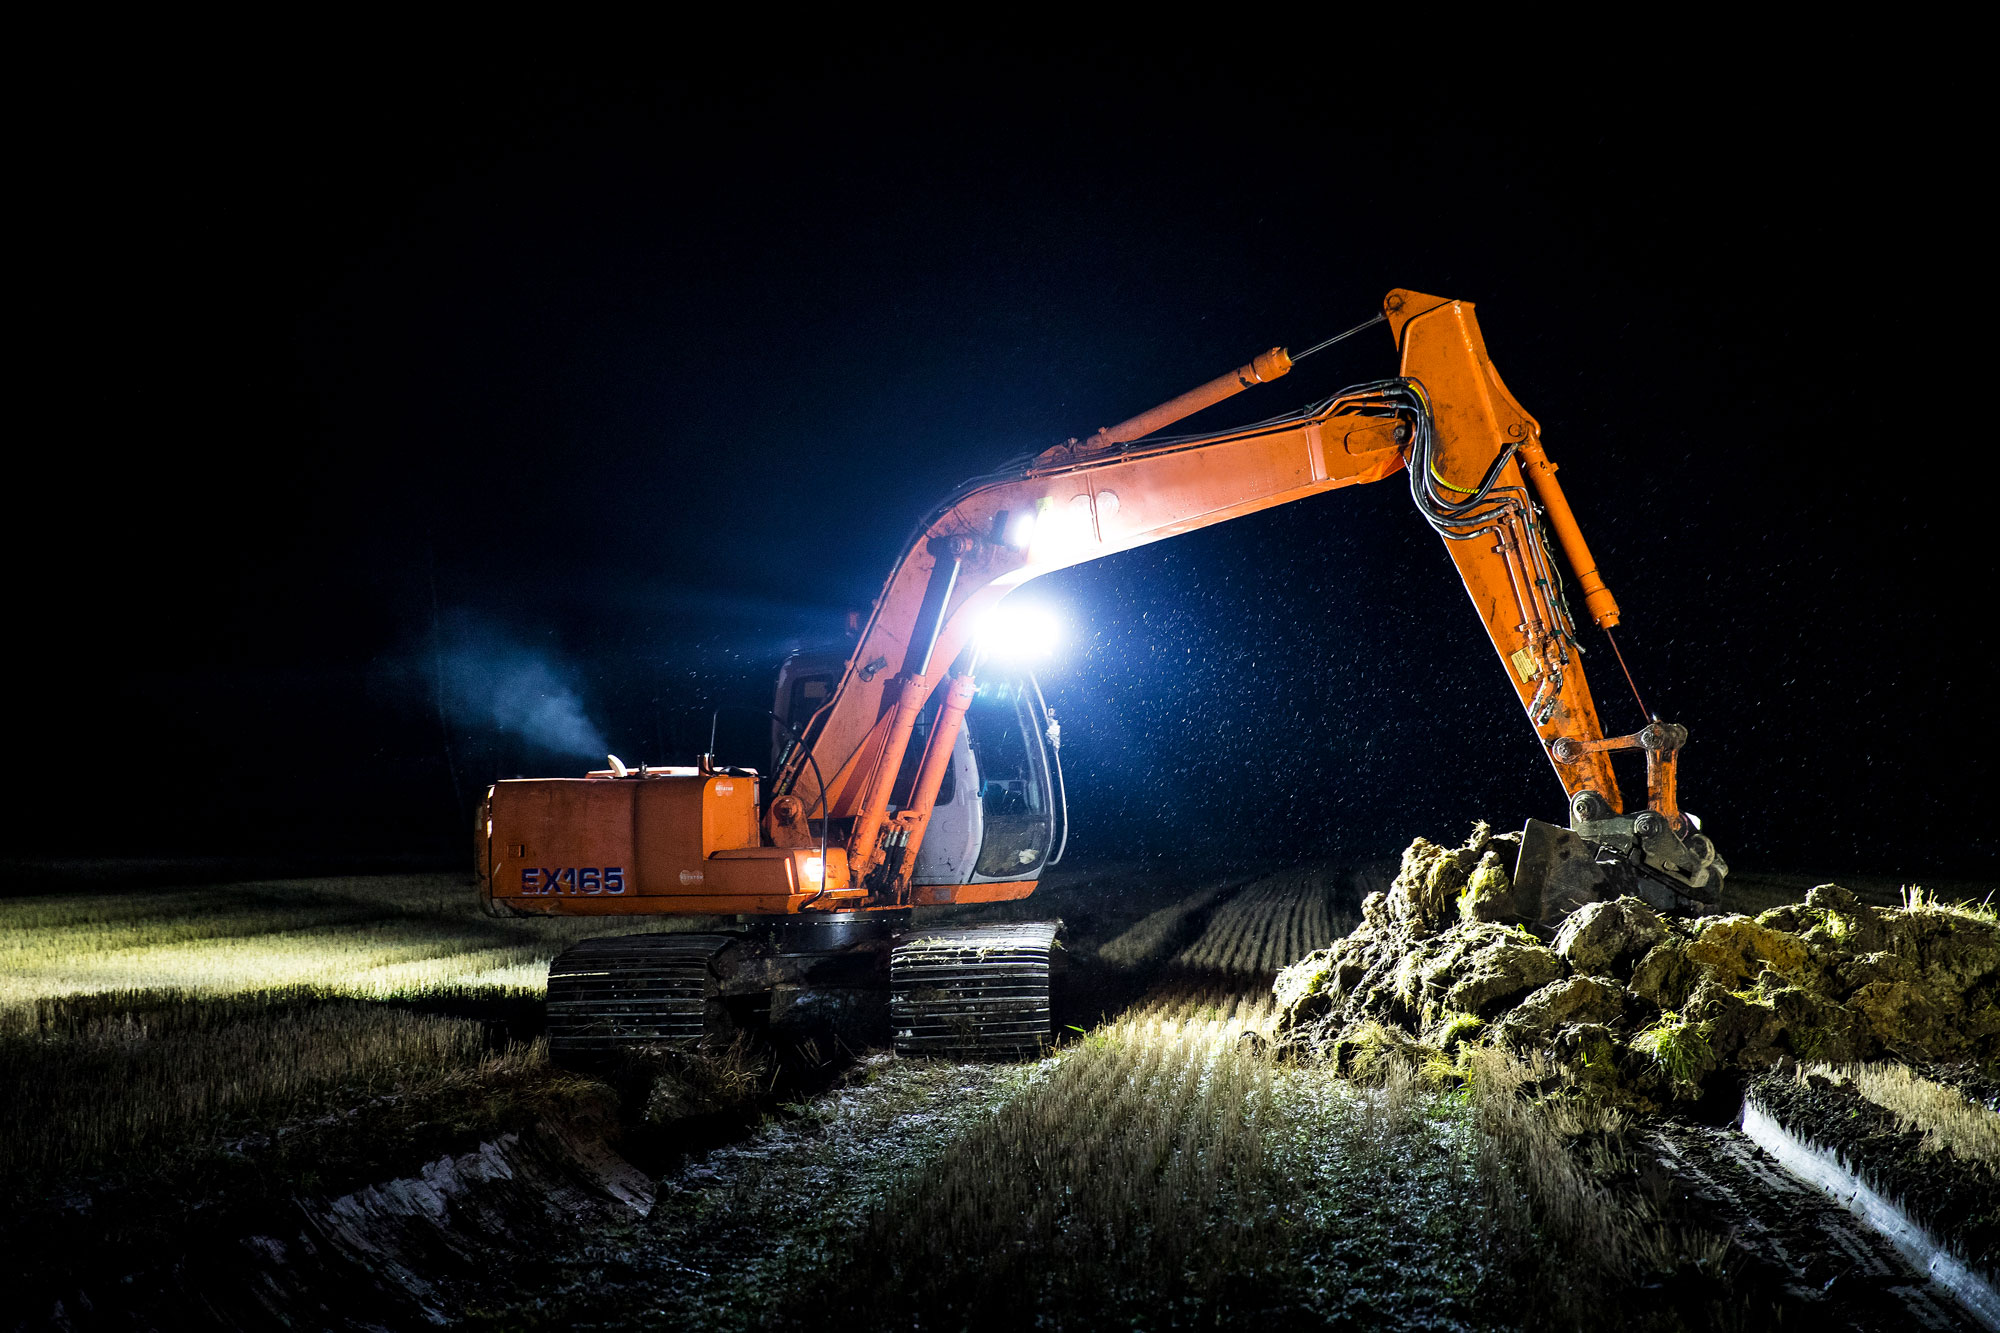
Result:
[[1001, 814]]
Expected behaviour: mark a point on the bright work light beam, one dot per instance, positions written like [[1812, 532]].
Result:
[[1018, 632]]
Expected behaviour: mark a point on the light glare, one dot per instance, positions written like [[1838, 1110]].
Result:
[[1019, 633], [1062, 533]]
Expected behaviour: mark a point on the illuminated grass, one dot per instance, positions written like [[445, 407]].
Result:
[[1166, 1163], [1267, 927], [1254, 932], [375, 937], [137, 1024], [1943, 1114], [1916, 898]]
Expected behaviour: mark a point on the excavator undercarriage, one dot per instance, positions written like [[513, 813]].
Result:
[[954, 990]]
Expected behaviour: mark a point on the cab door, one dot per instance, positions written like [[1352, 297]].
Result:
[[1005, 818]]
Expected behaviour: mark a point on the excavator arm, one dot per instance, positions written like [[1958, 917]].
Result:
[[845, 814], [1476, 467]]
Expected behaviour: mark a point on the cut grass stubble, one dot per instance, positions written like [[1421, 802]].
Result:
[[1942, 1114], [1166, 1163], [135, 1026]]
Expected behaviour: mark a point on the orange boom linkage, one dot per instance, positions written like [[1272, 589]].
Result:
[[872, 745]]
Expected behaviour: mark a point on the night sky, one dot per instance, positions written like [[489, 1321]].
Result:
[[404, 429]]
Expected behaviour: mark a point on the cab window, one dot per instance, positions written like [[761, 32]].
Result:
[[1013, 779]]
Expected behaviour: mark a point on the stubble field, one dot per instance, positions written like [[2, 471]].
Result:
[[219, 1068]]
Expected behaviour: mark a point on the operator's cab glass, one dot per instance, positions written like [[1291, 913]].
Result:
[[1006, 733], [808, 693], [998, 809], [999, 812]]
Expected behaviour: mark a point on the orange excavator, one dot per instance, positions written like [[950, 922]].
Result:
[[914, 770]]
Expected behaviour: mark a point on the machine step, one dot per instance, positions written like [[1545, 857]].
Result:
[[972, 990]]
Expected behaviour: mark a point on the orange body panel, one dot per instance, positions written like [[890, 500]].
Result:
[[643, 845], [936, 895]]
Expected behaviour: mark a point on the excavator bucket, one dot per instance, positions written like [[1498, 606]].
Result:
[[1560, 870]]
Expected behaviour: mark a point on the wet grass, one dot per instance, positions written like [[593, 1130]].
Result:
[[139, 1028], [1163, 1172], [196, 1054], [1137, 1154], [744, 1231]]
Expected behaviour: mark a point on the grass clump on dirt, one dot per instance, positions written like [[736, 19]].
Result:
[[1641, 1010], [1680, 1047]]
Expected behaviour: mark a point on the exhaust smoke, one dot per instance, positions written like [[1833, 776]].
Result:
[[486, 679]]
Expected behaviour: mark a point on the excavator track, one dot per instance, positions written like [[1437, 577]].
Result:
[[631, 990], [972, 990]]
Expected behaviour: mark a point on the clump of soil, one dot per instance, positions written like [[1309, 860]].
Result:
[[1639, 1009], [667, 1084]]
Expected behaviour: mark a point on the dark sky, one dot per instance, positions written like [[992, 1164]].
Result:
[[589, 399]]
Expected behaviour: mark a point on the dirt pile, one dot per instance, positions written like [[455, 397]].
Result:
[[1638, 1008]]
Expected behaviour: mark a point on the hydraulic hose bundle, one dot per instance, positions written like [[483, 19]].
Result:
[[1458, 514]]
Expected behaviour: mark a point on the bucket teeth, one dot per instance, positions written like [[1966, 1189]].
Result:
[[975, 990], [631, 990]]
